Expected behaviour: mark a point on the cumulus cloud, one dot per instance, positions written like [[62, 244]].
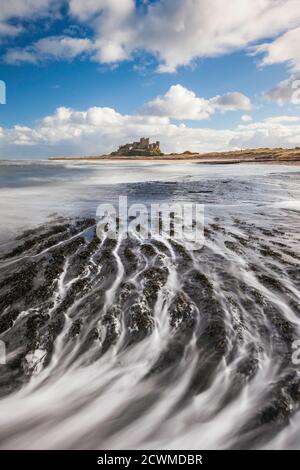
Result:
[[99, 130], [280, 131], [181, 103], [115, 25], [231, 102], [177, 31], [287, 91]]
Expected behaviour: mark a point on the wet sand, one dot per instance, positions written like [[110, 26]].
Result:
[[291, 158]]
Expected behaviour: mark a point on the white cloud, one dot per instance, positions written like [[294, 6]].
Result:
[[176, 31], [89, 9], [99, 130], [246, 118], [9, 29], [115, 24], [283, 49], [281, 131], [181, 103], [20, 10], [179, 31], [231, 102], [63, 47], [287, 91], [18, 56], [55, 47], [282, 119]]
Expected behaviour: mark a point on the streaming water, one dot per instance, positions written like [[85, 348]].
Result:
[[148, 343]]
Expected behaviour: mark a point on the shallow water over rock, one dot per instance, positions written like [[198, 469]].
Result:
[[144, 343]]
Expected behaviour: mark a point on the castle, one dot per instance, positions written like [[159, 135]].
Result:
[[143, 148]]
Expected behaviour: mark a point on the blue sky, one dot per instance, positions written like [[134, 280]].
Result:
[[85, 75]]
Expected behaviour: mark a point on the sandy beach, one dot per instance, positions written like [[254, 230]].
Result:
[[261, 155]]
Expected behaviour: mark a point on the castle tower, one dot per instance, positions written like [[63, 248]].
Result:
[[144, 141]]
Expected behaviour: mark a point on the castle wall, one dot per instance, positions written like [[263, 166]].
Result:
[[142, 146]]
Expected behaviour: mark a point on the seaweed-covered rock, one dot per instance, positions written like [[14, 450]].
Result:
[[7, 320], [182, 312], [127, 289], [75, 328], [154, 279], [140, 322], [148, 250], [112, 323]]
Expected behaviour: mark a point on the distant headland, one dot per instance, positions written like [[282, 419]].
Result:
[[143, 150]]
